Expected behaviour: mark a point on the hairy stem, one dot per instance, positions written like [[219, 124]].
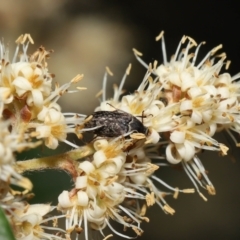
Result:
[[66, 161]]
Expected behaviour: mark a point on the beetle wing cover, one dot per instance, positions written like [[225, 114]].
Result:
[[113, 124]]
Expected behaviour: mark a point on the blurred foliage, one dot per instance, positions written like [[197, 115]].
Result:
[[5, 229]]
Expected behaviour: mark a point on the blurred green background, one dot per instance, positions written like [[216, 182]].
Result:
[[89, 35]]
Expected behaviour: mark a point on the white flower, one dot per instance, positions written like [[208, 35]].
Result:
[[53, 129], [32, 83], [27, 78], [30, 223]]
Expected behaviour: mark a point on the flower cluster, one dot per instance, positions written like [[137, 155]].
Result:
[[29, 221], [182, 103], [27, 98], [29, 114], [113, 174], [185, 103]]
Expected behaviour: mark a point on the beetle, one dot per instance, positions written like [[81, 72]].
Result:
[[114, 123]]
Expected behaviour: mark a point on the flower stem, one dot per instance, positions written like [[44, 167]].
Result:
[[66, 161]]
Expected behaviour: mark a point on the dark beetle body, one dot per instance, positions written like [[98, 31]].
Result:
[[115, 123]]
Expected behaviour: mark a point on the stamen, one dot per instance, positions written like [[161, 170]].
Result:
[[178, 48], [85, 225], [108, 236], [164, 50], [192, 41], [235, 77], [196, 53], [123, 81], [130, 215], [202, 169], [171, 188], [227, 64], [137, 54], [73, 114], [232, 137], [109, 71], [116, 232], [105, 83], [71, 144], [90, 129], [184, 60], [99, 93], [186, 169], [77, 78], [210, 53]]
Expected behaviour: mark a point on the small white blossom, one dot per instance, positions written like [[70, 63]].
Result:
[[30, 223]]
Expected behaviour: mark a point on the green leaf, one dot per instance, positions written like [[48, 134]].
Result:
[[5, 229]]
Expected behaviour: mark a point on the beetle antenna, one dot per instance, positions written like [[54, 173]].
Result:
[[144, 116], [111, 105], [116, 108]]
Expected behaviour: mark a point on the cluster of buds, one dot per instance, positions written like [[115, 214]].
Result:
[[181, 103]]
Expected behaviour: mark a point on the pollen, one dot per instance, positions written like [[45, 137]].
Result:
[[150, 199]]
